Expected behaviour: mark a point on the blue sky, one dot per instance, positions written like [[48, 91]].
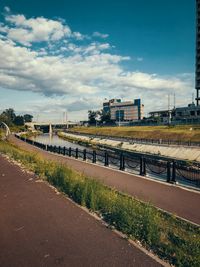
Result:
[[72, 54]]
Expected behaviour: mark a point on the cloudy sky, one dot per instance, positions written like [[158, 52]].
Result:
[[72, 54]]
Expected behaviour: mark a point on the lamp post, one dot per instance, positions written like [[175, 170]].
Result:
[[119, 113]]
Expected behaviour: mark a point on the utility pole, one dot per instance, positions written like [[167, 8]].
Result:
[[119, 116], [169, 115]]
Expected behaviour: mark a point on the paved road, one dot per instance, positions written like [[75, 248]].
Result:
[[177, 200], [41, 228]]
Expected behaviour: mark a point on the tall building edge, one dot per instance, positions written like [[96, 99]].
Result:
[[197, 74]]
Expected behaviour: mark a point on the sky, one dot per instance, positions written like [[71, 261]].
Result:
[[69, 55]]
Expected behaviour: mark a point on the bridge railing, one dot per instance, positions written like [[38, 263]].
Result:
[[170, 171]]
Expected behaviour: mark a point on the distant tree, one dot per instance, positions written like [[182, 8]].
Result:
[[92, 116], [28, 118], [8, 116], [19, 120], [105, 117]]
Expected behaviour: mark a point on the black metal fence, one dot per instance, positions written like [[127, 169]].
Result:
[[168, 170]]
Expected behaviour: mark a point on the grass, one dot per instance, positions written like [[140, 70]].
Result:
[[179, 132], [170, 238]]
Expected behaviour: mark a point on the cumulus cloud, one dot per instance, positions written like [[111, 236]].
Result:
[[27, 31], [73, 69]]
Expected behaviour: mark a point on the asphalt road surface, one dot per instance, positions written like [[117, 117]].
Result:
[[39, 227], [174, 199]]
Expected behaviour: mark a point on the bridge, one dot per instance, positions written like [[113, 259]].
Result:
[[50, 126], [5, 126]]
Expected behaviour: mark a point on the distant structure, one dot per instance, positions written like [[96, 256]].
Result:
[[179, 115], [124, 111], [197, 78]]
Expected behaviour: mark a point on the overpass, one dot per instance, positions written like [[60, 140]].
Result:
[[50, 126]]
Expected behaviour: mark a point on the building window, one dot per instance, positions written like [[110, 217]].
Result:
[[119, 115], [192, 113]]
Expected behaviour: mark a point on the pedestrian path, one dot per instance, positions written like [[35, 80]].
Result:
[[39, 227]]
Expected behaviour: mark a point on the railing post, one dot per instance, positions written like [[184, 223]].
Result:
[[141, 166], [168, 172], [106, 159], [84, 154], [54, 149], [174, 172], [144, 167], [94, 160], [59, 150], [76, 153], [122, 163], [70, 151], [64, 150]]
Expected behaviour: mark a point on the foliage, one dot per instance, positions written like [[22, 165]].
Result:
[[171, 238], [92, 117], [11, 119], [105, 117], [28, 118]]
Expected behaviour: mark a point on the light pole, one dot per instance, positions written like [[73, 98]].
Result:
[[119, 113]]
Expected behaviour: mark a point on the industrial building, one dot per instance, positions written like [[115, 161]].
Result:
[[189, 114], [124, 111]]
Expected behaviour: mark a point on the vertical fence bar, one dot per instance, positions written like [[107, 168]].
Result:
[[122, 162], [70, 151], [84, 154], [64, 150], [94, 159], [144, 167], [106, 159], [141, 166], [76, 153], [168, 172], [174, 172]]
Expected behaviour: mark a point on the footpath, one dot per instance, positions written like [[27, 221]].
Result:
[[174, 199], [41, 228]]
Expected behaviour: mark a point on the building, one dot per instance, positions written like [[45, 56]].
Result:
[[160, 116], [197, 78], [124, 111], [189, 114], [106, 104]]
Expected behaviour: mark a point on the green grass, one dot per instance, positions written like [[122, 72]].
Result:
[[170, 238], [184, 133]]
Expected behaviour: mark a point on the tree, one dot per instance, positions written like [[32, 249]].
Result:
[[105, 117], [8, 116], [92, 115], [19, 120], [28, 118]]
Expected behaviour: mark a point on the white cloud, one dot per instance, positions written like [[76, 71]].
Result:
[[7, 9], [100, 35], [83, 73], [27, 31]]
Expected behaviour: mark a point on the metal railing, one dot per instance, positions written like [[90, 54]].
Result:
[[170, 171]]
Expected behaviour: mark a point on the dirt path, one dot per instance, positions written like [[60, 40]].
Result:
[[41, 228], [177, 200]]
